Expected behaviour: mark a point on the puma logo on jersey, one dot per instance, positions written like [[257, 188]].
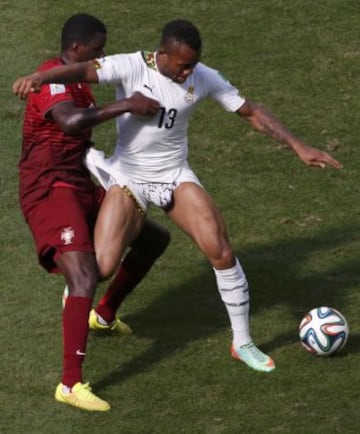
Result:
[[148, 87]]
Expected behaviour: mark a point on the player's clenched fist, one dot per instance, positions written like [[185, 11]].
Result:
[[143, 105]]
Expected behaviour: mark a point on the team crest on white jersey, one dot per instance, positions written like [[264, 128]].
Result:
[[189, 97], [67, 235]]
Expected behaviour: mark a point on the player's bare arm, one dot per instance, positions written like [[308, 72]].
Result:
[[84, 72], [139, 104], [265, 122], [72, 119]]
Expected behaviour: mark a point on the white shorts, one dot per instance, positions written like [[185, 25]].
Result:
[[144, 193]]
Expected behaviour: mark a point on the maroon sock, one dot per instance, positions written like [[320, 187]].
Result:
[[75, 332], [133, 268]]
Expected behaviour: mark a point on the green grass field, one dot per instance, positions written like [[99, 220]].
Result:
[[295, 229]]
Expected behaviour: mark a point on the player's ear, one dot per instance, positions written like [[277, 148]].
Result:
[[76, 47]]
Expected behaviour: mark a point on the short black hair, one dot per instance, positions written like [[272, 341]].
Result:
[[80, 28], [182, 31]]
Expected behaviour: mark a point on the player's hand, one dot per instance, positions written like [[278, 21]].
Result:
[[317, 158], [142, 105], [24, 85]]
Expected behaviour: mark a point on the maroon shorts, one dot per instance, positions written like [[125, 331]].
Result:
[[64, 222]]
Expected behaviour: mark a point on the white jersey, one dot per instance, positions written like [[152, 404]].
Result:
[[153, 149]]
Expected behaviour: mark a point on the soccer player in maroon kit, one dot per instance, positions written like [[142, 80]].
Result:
[[60, 204]]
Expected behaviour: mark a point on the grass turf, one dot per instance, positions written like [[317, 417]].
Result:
[[295, 229]]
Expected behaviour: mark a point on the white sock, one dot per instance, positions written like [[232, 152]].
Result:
[[234, 292], [101, 320], [66, 390]]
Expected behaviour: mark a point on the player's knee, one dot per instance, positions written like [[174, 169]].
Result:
[[106, 266], [83, 283], [222, 257]]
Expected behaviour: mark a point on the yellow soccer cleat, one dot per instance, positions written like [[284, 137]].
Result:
[[117, 326], [82, 397]]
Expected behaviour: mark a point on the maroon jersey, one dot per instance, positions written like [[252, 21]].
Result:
[[48, 155]]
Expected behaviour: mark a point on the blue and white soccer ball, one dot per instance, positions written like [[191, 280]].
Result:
[[323, 331]]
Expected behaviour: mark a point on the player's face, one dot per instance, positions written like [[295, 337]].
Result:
[[177, 61], [93, 49]]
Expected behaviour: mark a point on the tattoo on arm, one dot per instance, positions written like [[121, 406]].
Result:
[[276, 131], [269, 125]]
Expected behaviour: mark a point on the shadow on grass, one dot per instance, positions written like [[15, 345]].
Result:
[[279, 274], [353, 345]]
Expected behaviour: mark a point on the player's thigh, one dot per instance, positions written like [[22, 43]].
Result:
[[117, 225], [59, 224], [196, 213]]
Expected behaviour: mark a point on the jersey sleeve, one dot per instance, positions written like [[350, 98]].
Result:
[[115, 68], [221, 90], [52, 94]]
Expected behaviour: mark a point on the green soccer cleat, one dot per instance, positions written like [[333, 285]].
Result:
[[82, 397], [253, 357], [117, 326]]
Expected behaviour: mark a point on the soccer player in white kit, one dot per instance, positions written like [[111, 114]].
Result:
[[150, 163]]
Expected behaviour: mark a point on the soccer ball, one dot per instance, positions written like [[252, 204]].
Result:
[[323, 331]]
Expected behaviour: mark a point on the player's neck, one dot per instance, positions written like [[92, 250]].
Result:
[[67, 58]]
